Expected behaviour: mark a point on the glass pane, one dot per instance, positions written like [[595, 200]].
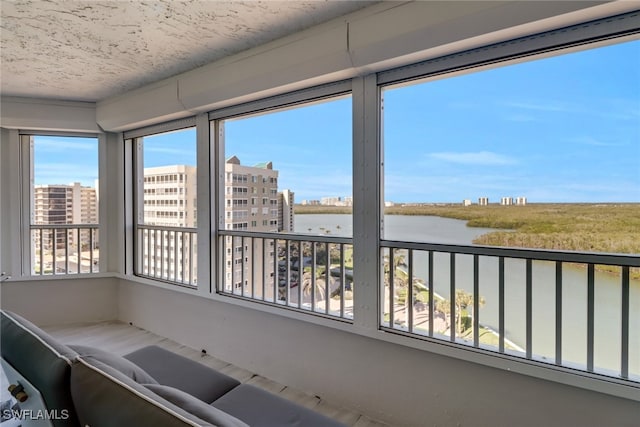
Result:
[[290, 171], [64, 205], [167, 240]]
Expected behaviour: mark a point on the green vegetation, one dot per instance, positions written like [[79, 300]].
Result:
[[613, 228], [607, 227]]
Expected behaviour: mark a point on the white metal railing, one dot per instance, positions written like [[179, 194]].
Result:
[[308, 273], [167, 253], [64, 249], [565, 308]]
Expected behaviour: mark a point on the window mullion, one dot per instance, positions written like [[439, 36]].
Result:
[[367, 201]]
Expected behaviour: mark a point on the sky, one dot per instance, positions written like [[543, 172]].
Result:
[[560, 129]]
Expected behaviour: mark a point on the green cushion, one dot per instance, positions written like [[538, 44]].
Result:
[[195, 406], [123, 365], [41, 360], [105, 397]]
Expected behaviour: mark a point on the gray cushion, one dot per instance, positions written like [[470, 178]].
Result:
[[41, 360], [259, 408], [105, 397], [195, 406], [185, 374], [123, 365]]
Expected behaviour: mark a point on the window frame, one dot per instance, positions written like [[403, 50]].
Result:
[[598, 33], [135, 139], [26, 166], [289, 100]]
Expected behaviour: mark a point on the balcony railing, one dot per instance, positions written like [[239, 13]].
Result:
[[576, 310], [64, 249], [167, 253], [308, 273]]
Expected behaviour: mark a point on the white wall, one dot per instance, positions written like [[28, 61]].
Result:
[[62, 301], [393, 383]]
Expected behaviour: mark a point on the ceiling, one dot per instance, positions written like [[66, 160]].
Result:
[[91, 50]]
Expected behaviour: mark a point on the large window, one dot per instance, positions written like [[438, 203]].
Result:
[[541, 154], [63, 204], [167, 206], [290, 171]]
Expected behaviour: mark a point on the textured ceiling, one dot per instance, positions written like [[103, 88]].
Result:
[[90, 50]]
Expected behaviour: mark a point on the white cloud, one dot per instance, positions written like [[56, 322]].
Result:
[[59, 145], [589, 140], [482, 158]]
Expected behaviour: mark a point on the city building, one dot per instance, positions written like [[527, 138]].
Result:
[[63, 204], [466, 202], [483, 201], [506, 201], [521, 201], [331, 201], [170, 200], [170, 70], [286, 216], [251, 204], [170, 196]]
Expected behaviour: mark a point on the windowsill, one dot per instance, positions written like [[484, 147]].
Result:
[[39, 278]]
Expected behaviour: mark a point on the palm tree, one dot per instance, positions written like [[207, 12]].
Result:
[[463, 299]]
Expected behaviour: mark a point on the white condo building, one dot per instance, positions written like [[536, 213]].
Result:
[[286, 217], [506, 201], [250, 203], [170, 196], [170, 202], [63, 204]]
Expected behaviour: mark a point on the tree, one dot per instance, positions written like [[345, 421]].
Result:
[[463, 300]]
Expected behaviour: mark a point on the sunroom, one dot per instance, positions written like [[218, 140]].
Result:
[[223, 176]]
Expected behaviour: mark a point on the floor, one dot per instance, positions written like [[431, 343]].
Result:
[[121, 339]]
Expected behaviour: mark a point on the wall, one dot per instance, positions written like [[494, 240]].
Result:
[[63, 301], [393, 383]]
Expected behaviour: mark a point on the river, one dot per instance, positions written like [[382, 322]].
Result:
[[608, 298]]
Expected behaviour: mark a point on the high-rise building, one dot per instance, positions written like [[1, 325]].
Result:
[[506, 201], [170, 196], [483, 201], [285, 211], [170, 201], [521, 201], [250, 203], [63, 204]]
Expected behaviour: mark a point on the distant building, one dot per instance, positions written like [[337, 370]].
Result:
[[285, 210], [63, 204], [170, 196], [506, 201], [251, 203], [466, 202], [169, 201], [521, 201], [331, 201], [310, 202], [388, 204], [483, 201]]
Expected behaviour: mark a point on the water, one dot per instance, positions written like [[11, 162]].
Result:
[[608, 290]]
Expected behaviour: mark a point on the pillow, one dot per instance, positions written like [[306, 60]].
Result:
[[119, 363], [195, 406]]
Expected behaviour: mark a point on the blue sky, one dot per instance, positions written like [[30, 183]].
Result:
[[561, 129]]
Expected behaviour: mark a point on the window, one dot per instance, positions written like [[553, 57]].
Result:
[[167, 209], [294, 156], [63, 205], [540, 154]]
